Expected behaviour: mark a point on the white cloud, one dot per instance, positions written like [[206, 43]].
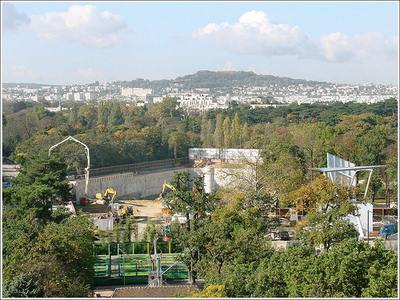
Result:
[[11, 19], [90, 74], [20, 74], [340, 47], [255, 34], [82, 25]]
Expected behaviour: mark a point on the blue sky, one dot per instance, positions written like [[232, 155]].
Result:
[[81, 42]]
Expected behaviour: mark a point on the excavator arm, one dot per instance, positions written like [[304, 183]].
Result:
[[166, 185]]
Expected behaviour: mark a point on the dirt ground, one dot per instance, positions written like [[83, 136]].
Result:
[[145, 209]]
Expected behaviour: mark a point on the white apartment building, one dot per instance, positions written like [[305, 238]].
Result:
[[158, 99], [135, 92], [53, 97], [79, 97], [90, 95], [196, 102]]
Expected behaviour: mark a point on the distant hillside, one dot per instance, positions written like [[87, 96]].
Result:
[[237, 78], [219, 79], [11, 85]]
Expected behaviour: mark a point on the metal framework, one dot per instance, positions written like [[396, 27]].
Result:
[[346, 172], [369, 169], [87, 156]]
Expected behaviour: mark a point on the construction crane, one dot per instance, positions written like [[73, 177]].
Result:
[[87, 156]]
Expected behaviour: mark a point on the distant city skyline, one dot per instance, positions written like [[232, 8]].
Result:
[[66, 43]]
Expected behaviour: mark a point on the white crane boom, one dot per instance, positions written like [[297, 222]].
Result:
[[87, 156]]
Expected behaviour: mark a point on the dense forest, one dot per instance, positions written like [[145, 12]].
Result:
[[123, 133], [224, 242]]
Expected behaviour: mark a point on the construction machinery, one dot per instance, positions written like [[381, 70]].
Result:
[[109, 195], [166, 185]]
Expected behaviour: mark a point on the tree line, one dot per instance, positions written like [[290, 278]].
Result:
[[46, 252], [119, 133]]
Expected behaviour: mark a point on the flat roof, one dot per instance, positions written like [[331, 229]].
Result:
[[337, 169]]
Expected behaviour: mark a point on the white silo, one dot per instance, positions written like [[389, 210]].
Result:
[[209, 182]]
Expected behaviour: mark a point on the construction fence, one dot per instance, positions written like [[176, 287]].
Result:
[[124, 263]]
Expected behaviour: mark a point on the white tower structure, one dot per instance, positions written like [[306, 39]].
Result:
[[209, 181]]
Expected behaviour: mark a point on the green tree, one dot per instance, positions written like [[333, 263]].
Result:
[[152, 138], [39, 112], [73, 115], [115, 117], [167, 108], [179, 142], [40, 182], [206, 133], [283, 169], [383, 277], [236, 132], [22, 287], [234, 234], [150, 232], [41, 255], [328, 206], [189, 199], [218, 138], [131, 227], [245, 135], [306, 136], [226, 132], [346, 271], [209, 136], [87, 114], [373, 144], [103, 113], [63, 253]]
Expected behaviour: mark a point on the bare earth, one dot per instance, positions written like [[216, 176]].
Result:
[[145, 209]]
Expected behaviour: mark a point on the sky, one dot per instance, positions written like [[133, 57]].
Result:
[[72, 42]]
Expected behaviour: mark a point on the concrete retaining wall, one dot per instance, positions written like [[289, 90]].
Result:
[[133, 185], [139, 185]]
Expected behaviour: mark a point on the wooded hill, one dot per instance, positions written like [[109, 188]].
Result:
[[219, 79]]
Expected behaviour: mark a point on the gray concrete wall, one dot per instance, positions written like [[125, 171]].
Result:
[[133, 185], [137, 185]]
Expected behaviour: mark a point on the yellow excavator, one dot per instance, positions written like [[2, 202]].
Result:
[[109, 195], [166, 185], [165, 210]]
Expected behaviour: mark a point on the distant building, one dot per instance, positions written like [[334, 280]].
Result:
[[136, 92], [56, 109], [90, 95], [78, 97], [8, 171], [196, 102]]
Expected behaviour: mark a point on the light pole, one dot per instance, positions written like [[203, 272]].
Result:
[[368, 212]]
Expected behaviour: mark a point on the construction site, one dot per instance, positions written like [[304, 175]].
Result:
[[113, 195]]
